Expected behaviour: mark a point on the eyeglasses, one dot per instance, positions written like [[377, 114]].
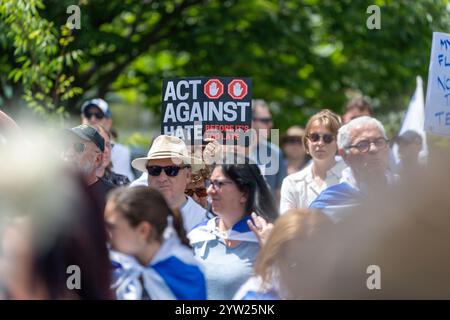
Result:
[[200, 192], [263, 120], [171, 171], [98, 115], [217, 184], [79, 147], [364, 145], [326, 138]]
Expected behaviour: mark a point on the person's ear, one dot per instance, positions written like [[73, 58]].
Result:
[[343, 154], [145, 231], [244, 197], [108, 124], [98, 159]]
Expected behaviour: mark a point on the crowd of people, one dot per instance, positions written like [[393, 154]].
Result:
[[221, 224]]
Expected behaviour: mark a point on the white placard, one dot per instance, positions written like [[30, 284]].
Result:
[[437, 107]]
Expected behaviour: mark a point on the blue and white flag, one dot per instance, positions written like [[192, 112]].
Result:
[[173, 274], [255, 289], [208, 230], [337, 200]]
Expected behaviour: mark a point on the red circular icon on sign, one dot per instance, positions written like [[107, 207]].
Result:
[[213, 88], [237, 89]]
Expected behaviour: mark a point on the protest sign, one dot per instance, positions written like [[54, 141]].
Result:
[[437, 108], [200, 107]]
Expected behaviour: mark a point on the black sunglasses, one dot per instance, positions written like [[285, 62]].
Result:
[[263, 120], [315, 137], [200, 192], [171, 171], [293, 139], [99, 115]]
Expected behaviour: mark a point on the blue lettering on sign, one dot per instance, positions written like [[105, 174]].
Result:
[[443, 60], [444, 83], [445, 43], [447, 117]]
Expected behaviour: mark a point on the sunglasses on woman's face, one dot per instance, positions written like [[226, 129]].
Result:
[[200, 192], [171, 171], [326, 138]]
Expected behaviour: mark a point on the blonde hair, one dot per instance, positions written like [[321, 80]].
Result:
[[325, 117], [293, 226]]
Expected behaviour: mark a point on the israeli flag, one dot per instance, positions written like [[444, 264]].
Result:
[[254, 289], [208, 230], [173, 274]]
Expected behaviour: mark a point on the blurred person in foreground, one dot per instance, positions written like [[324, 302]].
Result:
[[225, 245], [398, 244], [363, 145], [52, 237], [151, 257], [281, 257], [300, 189]]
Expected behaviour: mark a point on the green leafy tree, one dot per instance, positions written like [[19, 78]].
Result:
[[35, 57], [303, 55]]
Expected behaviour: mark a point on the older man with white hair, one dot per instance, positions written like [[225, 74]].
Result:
[[363, 145]]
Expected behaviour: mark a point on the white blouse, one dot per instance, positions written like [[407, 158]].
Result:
[[299, 189]]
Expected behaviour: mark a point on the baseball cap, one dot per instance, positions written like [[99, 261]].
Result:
[[99, 103], [89, 133]]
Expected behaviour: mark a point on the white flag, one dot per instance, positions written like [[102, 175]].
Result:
[[414, 120]]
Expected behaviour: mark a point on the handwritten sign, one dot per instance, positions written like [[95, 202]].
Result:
[[437, 108], [197, 108]]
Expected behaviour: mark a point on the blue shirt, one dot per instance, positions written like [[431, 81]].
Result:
[[226, 269]]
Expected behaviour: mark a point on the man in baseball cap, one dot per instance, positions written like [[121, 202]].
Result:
[[84, 150], [96, 111]]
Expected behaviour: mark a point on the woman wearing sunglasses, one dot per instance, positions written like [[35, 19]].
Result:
[[226, 245], [196, 189], [150, 258], [301, 188]]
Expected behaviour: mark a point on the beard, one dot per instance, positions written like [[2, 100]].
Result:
[[86, 168]]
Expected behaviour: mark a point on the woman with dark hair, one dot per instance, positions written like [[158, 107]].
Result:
[[225, 245], [151, 260]]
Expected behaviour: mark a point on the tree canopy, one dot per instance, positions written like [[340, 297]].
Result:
[[302, 55]]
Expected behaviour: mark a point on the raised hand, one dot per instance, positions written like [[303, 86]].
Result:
[[213, 89], [237, 89], [260, 227]]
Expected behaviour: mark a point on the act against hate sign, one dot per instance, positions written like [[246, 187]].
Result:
[[437, 108], [201, 107]]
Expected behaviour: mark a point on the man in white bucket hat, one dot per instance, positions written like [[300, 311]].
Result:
[[168, 165]]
